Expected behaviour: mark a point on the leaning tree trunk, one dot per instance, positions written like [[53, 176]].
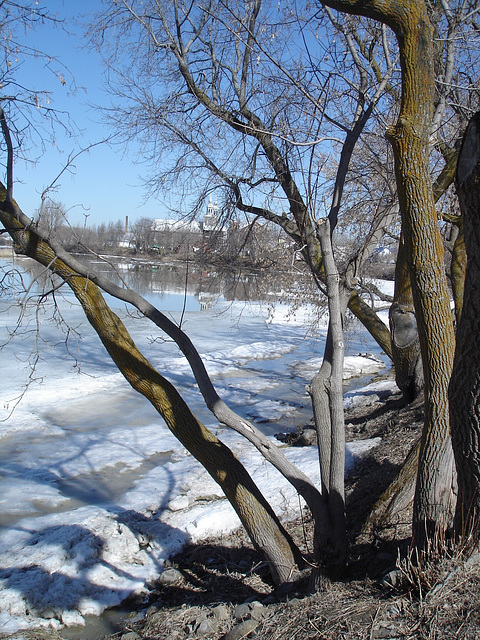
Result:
[[372, 323], [458, 269], [261, 523], [458, 263], [398, 496], [465, 382]]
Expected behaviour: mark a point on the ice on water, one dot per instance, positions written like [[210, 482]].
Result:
[[95, 492]]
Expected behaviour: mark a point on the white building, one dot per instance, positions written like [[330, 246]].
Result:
[[175, 226], [174, 235], [210, 220]]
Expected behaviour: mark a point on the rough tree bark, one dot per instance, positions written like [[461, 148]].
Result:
[[403, 324], [410, 142], [465, 382], [402, 490]]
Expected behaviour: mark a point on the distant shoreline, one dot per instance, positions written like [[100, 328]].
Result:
[[146, 258]]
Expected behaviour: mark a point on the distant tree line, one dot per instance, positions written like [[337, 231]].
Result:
[[254, 244], [251, 243]]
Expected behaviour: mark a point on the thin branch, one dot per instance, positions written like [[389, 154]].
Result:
[[8, 142]]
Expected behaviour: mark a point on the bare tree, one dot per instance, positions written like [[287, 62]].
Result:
[[247, 110], [253, 117], [143, 233], [246, 137], [410, 139], [51, 215]]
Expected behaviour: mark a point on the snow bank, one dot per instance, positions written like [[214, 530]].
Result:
[[60, 567]]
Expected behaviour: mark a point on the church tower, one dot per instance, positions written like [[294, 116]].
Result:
[[210, 220]]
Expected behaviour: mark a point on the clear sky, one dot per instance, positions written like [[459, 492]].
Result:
[[106, 183]]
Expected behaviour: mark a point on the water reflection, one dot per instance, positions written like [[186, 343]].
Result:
[[192, 286], [207, 285]]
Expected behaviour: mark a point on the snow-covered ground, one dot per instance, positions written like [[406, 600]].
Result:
[[95, 493]]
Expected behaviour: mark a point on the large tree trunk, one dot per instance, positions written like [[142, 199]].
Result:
[[465, 381], [401, 491], [410, 141], [266, 532]]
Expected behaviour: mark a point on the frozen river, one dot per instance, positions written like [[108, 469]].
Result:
[[94, 490]]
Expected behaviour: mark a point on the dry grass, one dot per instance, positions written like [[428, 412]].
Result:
[[354, 610], [440, 601], [351, 610]]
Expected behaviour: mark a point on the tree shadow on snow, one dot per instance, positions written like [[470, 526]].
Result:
[[57, 568], [63, 567]]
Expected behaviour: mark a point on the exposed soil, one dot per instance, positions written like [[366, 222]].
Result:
[[441, 600]]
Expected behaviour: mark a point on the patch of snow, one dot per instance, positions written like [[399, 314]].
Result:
[[58, 568], [353, 366], [95, 491], [366, 396]]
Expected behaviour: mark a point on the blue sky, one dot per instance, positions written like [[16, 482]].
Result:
[[105, 184]]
